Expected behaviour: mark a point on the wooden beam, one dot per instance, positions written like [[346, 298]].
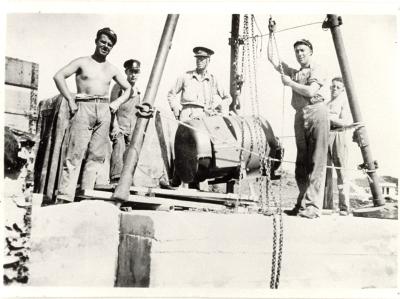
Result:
[[163, 144], [185, 193], [95, 194], [22, 73]]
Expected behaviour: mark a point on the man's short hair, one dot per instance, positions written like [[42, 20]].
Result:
[[107, 31], [304, 42], [338, 79]]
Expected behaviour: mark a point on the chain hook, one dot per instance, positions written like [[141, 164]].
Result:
[[271, 25]]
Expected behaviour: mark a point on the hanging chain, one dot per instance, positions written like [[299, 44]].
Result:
[[242, 170], [251, 60], [276, 253]]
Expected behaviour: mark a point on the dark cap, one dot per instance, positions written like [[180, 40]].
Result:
[[202, 52], [132, 64], [107, 31], [303, 42]]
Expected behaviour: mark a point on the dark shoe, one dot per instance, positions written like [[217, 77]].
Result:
[[114, 180], [165, 185], [310, 214], [175, 182], [292, 212]]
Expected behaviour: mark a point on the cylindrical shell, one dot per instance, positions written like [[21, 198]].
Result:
[[211, 147]]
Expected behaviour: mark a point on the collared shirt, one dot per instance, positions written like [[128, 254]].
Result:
[[198, 91], [305, 76], [339, 111], [126, 113]]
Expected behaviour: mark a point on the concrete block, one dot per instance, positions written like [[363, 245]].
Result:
[[75, 245], [202, 250]]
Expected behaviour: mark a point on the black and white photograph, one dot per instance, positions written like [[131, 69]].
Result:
[[167, 150]]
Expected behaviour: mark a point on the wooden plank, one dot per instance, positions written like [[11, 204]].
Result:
[[19, 122], [154, 200], [189, 193], [17, 99], [163, 145], [388, 211], [328, 195], [21, 73]]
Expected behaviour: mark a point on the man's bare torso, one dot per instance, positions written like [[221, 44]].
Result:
[[94, 78]]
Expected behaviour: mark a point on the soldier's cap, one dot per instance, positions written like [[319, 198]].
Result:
[[303, 42], [107, 31], [202, 52], [132, 64]]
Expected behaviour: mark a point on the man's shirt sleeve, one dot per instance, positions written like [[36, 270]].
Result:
[[287, 70], [225, 96], [316, 76], [172, 97]]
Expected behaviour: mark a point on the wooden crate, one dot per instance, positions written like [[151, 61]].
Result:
[[21, 85]]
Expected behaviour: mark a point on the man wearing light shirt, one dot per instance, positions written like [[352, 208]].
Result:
[[311, 127], [339, 116], [201, 94]]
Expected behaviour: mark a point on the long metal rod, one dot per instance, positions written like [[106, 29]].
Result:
[[234, 43], [333, 22], [135, 147]]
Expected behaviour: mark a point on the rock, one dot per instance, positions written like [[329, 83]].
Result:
[[10, 262]]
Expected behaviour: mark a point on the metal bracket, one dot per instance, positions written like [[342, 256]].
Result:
[[236, 41], [332, 21], [365, 166], [145, 110]]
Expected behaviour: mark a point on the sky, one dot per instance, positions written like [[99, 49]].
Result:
[[54, 38]]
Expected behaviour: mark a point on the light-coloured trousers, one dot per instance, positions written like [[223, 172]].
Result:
[[337, 156], [311, 128], [89, 137], [120, 146]]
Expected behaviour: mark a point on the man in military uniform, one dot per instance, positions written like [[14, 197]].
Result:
[[339, 116], [311, 126], [201, 94], [124, 120], [90, 113]]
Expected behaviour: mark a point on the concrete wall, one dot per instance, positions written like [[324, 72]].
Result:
[[79, 244], [215, 250], [74, 245]]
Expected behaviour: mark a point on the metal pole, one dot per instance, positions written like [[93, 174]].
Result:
[[132, 156], [234, 43], [333, 22]]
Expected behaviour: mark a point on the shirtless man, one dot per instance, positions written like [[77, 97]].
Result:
[[90, 113]]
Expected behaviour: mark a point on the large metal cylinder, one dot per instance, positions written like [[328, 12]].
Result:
[[211, 148]]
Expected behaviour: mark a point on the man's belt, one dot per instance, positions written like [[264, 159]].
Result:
[[92, 99], [191, 105]]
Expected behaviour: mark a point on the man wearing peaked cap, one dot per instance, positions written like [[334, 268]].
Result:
[[90, 111], [311, 126], [124, 120], [201, 94], [202, 51], [303, 42]]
